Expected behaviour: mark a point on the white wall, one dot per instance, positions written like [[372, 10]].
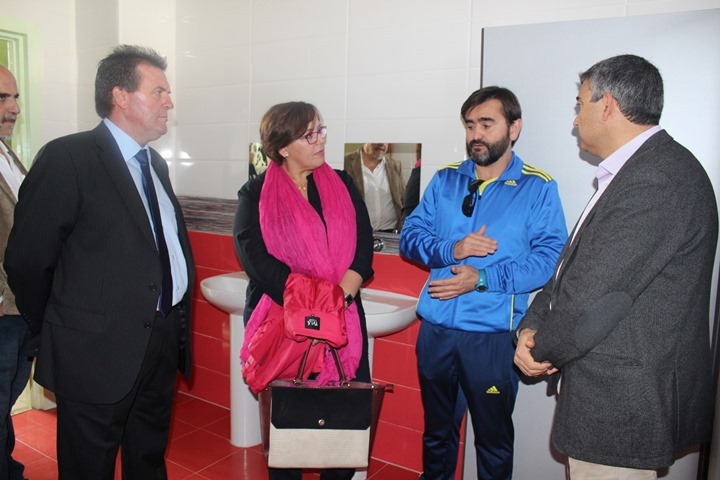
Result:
[[54, 92]]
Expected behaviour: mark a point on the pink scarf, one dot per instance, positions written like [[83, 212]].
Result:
[[295, 234]]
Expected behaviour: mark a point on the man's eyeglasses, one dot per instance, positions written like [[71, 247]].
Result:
[[471, 198], [313, 137]]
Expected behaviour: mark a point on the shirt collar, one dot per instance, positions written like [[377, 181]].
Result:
[[612, 164], [128, 147]]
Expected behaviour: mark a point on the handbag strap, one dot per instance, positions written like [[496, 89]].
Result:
[[343, 379]]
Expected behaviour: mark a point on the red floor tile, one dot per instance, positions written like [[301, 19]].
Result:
[[38, 417], [177, 472], [221, 428], [179, 429], [23, 422], [41, 439], [180, 398], [244, 464], [27, 453], [391, 472], [199, 413], [198, 450], [43, 469]]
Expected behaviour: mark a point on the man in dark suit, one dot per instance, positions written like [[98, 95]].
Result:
[[15, 342], [625, 317], [100, 262]]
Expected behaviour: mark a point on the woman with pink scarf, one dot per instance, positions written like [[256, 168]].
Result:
[[301, 216]]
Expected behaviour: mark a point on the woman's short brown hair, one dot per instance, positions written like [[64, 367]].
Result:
[[284, 123]]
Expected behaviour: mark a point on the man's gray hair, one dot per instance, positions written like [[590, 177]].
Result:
[[634, 82]]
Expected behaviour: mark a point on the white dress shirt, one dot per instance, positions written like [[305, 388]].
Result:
[[378, 198], [10, 172]]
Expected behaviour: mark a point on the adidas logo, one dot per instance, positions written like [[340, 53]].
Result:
[[510, 183], [493, 390]]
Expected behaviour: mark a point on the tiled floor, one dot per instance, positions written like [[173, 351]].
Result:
[[199, 447]]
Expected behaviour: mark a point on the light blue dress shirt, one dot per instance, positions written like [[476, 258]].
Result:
[[129, 148]]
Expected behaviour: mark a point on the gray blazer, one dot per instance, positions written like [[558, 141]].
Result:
[[629, 323]]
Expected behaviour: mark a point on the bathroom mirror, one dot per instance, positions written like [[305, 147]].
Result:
[[392, 192], [388, 177]]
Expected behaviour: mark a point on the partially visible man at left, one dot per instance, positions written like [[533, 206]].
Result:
[[99, 257], [15, 354]]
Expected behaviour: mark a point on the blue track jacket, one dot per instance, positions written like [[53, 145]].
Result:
[[522, 211]]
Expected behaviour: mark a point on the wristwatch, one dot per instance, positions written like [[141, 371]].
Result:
[[348, 300], [482, 284]]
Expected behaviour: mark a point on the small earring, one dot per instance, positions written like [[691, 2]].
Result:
[[284, 154]]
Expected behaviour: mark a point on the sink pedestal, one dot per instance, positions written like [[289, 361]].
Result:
[[227, 292], [244, 409]]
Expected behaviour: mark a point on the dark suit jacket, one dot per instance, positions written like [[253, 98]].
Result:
[[7, 209], [629, 324], [83, 264]]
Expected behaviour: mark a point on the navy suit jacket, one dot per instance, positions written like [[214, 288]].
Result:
[[84, 267]]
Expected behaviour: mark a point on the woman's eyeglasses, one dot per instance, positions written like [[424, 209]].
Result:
[[313, 137], [471, 198]]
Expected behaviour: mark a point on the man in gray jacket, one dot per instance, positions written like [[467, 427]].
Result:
[[625, 317]]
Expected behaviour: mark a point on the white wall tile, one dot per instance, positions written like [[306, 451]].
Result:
[[214, 24], [518, 12], [493, 9], [406, 95], [94, 6], [650, 7], [210, 179], [277, 20], [96, 29], [213, 142], [318, 56], [381, 14], [224, 66], [409, 48], [327, 94], [56, 128], [212, 105]]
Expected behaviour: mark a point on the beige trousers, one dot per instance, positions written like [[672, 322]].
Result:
[[580, 470]]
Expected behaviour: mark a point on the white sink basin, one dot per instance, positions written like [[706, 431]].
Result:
[[387, 312], [226, 292]]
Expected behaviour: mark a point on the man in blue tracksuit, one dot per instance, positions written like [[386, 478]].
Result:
[[491, 229]]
